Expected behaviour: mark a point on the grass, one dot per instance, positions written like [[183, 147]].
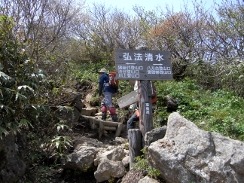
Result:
[[219, 111]]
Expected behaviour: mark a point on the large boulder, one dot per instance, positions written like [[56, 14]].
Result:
[[12, 167], [85, 151], [90, 153], [110, 164], [195, 155], [69, 106], [115, 154], [108, 169], [81, 159]]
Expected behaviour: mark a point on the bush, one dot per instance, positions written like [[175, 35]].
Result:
[[21, 83], [219, 111]]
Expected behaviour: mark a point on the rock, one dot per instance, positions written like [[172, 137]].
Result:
[[77, 102], [85, 151], [108, 169], [81, 159], [89, 111], [67, 113], [12, 167], [133, 176], [116, 154], [170, 103], [147, 180], [126, 161], [120, 140], [86, 141], [155, 134], [195, 155]]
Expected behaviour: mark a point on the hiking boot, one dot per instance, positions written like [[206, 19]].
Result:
[[104, 116], [114, 118]]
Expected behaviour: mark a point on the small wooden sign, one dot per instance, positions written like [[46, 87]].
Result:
[[128, 99]]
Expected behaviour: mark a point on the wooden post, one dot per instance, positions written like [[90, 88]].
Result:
[[135, 145], [145, 107], [101, 129], [119, 129]]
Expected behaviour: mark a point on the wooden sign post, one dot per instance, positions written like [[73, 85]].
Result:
[[144, 66], [135, 145], [145, 107]]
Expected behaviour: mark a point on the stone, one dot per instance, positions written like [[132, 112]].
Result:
[[195, 155]]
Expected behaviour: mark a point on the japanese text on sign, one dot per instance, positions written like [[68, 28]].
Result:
[[147, 108], [129, 71], [143, 57]]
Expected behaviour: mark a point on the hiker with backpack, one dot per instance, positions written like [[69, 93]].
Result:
[[107, 87]]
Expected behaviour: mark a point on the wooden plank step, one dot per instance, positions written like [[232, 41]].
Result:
[[97, 120], [105, 125]]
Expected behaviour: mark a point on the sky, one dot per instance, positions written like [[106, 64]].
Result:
[[174, 5]]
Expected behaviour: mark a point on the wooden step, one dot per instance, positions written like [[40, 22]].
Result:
[[104, 125]]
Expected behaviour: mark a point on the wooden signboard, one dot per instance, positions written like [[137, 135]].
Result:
[[143, 65], [128, 99]]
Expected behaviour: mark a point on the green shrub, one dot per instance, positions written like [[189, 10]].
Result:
[[142, 164], [20, 83], [219, 111]]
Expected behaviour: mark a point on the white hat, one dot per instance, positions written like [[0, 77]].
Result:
[[102, 70]]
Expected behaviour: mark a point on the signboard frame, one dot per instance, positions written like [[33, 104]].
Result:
[[143, 65]]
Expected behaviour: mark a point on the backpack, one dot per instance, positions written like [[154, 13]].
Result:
[[113, 81]]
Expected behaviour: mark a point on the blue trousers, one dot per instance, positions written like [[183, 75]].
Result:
[[107, 99], [131, 121]]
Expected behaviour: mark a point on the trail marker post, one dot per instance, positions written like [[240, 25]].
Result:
[[144, 66]]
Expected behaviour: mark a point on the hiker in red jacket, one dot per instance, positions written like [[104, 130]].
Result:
[[107, 91]]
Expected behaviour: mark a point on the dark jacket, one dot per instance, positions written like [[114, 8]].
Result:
[[104, 84]]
